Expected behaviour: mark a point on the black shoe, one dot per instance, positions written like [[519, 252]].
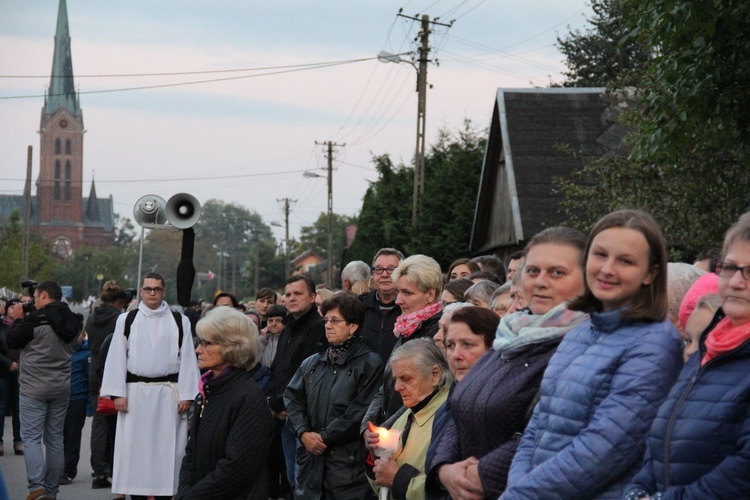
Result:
[[65, 480], [100, 482]]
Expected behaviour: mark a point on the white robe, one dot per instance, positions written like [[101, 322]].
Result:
[[151, 436]]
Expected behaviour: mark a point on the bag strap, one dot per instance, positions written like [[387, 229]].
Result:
[[177, 318]]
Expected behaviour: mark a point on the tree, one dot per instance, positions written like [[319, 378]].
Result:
[[41, 260], [316, 237], [688, 161], [598, 57], [452, 171]]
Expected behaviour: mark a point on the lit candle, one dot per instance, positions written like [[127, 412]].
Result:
[[387, 445]]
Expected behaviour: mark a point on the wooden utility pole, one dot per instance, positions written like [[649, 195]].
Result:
[[330, 144], [287, 262], [419, 155], [26, 218]]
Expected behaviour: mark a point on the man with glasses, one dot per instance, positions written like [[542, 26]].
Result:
[[381, 310], [151, 372]]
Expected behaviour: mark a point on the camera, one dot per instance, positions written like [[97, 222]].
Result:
[[130, 294], [28, 307]]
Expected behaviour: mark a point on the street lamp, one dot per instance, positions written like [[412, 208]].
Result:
[[330, 217]]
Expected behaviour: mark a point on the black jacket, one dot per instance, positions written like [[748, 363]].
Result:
[[387, 401], [99, 324], [490, 409], [331, 399], [377, 329], [300, 339], [229, 441], [66, 324]]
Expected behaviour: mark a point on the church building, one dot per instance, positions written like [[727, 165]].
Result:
[[59, 210]]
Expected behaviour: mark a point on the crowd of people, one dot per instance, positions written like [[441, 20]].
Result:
[[587, 367]]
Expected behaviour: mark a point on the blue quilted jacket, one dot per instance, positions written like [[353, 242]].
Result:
[[699, 446], [599, 396]]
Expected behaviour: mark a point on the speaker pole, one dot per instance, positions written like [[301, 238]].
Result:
[[186, 269], [140, 266]]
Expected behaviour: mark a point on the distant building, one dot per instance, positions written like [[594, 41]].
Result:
[[306, 261], [59, 210], [535, 136]]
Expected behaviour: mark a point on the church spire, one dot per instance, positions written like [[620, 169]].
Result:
[[62, 92], [92, 206]]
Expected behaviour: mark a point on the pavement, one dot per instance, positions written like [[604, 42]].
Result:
[[14, 471]]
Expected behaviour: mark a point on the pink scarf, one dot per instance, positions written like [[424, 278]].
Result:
[[723, 338], [407, 324]]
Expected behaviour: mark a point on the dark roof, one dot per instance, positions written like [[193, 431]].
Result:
[[535, 136]]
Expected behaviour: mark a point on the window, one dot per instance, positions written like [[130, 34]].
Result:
[[68, 147], [67, 181], [57, 146], [57, 179]]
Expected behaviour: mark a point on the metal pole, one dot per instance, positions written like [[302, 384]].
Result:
[[26, 218], [140, 266], [330, 214], [421, 122]]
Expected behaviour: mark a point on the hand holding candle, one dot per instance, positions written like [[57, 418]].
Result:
[[386, 447]]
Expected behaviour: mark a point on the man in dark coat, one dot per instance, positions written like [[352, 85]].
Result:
[[303, 336], [381, 310]]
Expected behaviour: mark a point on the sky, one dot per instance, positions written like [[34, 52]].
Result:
[[262, 85]]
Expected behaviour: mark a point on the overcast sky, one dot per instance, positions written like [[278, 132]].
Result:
[[248, 137]]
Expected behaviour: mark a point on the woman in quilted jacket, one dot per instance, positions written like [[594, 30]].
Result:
[[603, 387], [699, 445]]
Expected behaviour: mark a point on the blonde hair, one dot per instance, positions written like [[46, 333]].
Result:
[[362, 287], [423, 271], [235, 333]]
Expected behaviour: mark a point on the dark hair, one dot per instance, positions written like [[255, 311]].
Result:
[[112, 292], [650, 303], [473, 267], [276, 311], [458, 288], [235, 302], [516, 255], [301, 277], [491, 264], [387, 251], [252, 312], [266, 293], [480, 320], [488, 276], [53, 289], [560, 236], [348, 305], [154, 276]]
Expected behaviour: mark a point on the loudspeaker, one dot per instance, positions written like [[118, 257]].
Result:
[[150, 211], [183, 210]]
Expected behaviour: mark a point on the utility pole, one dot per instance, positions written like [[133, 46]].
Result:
[[287, 262], [419, 155], [26, 218], [330, 207]]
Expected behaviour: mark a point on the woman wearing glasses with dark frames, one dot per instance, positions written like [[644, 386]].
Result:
[[699, 445], [325, 403]]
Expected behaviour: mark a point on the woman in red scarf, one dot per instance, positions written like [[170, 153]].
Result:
[[699, 445], [419, 281]]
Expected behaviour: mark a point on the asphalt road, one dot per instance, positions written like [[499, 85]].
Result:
[[14, 471]]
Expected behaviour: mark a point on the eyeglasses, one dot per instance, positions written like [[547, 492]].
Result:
[[148, 289], [206, 343], [333, 321], [448, 302], [380, 270], [726, 270]]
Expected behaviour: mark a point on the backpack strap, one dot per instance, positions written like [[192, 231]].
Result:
[[177, 318]]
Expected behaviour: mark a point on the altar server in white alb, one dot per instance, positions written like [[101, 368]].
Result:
[[152, 373]]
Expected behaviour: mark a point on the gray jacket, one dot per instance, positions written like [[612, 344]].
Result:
[[48, 337]]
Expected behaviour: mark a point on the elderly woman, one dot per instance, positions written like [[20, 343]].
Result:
[[231, 428], [493, 403], [418, 280], [423, 380], [699, 444], [500, 299], [479, 294], [325, 403]]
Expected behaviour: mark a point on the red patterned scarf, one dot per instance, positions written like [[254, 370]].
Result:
[[406, 324], [723, 338]]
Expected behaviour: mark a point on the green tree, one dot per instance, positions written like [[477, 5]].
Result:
[[598, 56], [688, 161], [316, 237], [41, 260], [452, 170]]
